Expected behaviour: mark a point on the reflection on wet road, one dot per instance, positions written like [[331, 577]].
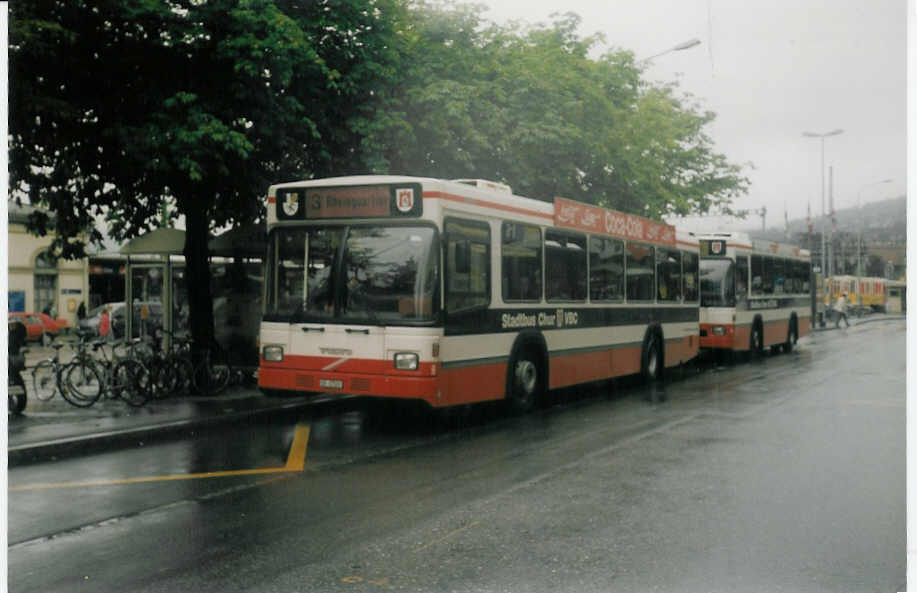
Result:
[[783, 473]]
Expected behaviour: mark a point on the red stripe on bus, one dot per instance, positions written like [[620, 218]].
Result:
[[436, 195], [775, 332], [408, 387], [464, 384], [335, 364], [471, 384], [738, 337]]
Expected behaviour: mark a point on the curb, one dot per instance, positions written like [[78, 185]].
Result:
[[861, 321], [27, 453]]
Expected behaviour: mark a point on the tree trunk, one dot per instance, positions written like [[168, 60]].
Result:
[[197, 274]]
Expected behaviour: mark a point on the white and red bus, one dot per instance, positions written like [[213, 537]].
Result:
[[754, 294], [455, 292]]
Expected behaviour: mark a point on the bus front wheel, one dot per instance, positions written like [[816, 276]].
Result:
[[526, 381]]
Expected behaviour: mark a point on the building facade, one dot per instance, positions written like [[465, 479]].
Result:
[[38, 281]]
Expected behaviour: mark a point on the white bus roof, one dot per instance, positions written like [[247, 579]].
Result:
[[744, 240]]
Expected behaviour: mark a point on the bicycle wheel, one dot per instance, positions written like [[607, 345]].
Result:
[[183, 371], [211, 377], [44, 380], [130, 381], [162, 379], [83, 384]]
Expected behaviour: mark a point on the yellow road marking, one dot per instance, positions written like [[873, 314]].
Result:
[[296, 461]]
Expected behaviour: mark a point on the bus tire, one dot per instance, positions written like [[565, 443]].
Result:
[[526, 381], [652, 360], [792, 336], [756, 345]]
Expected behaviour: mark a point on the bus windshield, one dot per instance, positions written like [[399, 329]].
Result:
[[366, 274], [717, 283]]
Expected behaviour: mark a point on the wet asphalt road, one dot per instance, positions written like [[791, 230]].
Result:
[[786, 474]]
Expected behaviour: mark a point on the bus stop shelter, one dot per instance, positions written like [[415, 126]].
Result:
[[156, 286]]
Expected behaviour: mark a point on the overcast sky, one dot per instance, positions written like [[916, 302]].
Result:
[[771, 70]]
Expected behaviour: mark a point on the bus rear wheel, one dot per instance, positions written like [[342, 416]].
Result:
[[651, 363], [792, 337], [757, 340]]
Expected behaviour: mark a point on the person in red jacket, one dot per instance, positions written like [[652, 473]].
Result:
[[105, 323]]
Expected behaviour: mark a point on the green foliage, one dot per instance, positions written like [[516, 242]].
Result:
[[533, 108], [203, 103], [119, 105]]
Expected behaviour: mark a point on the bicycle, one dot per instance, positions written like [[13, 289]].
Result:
[[178, 364], [212, 373], [81, 377], [125, 376], [167, 373], [47, 375]]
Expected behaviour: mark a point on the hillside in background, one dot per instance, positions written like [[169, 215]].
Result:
[[881, 222]]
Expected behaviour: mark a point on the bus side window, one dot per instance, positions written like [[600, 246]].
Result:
[[606, 269], [467, 264], [641, 272], [779, 267], [689, 262], [741, 278], [565, 266], [521, 262], [668, 275]]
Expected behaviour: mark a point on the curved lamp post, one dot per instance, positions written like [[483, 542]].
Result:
[[824, 270], [681, 46]]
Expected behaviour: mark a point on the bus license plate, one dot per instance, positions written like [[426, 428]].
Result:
[[330, 383]]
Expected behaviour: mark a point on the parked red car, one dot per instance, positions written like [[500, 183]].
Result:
[[38, 324]]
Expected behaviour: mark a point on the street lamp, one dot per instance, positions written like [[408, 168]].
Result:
[[860, 231], [681, 46], [824, 270]]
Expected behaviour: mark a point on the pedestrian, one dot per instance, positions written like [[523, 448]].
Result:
[[81, 311], [840, 308], [105, 323]]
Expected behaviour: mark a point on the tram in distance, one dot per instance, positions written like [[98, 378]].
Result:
[[754, 294], [862, 292], [456, 292]]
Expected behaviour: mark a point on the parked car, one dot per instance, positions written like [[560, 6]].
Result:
[[39, 327], [147, 318]]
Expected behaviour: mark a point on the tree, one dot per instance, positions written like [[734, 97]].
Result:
[[532, 108], [117, 106]]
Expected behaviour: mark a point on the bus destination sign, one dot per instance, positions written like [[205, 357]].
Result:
[[364, 201], [576, 215]]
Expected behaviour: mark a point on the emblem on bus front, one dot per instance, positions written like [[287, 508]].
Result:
[[291, 204], [404, 199]]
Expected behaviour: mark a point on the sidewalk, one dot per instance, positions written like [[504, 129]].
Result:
[[855, 321], [55, 428]]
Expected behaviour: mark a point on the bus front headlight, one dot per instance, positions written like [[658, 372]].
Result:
[[272, 353], [406, 361]]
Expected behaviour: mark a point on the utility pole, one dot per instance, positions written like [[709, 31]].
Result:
[[822, 137], [831, 254]]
